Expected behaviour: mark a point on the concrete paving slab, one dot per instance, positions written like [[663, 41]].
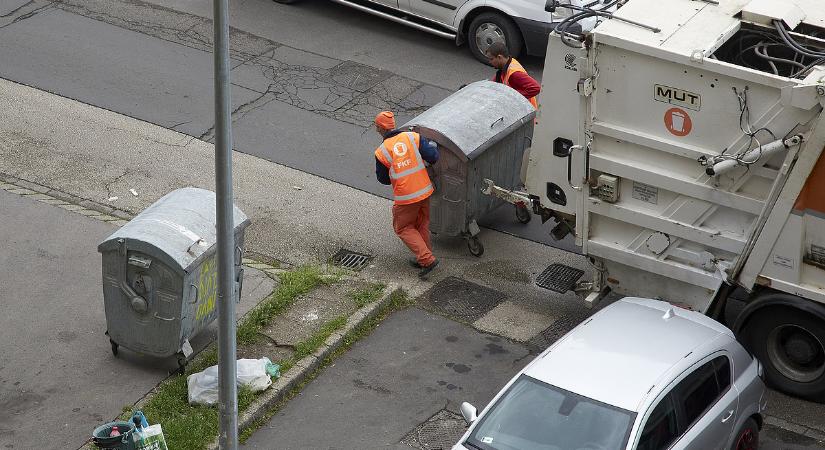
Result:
[[390, 382], [513, 321]]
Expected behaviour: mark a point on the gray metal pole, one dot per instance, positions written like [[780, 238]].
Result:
[[227, 389]]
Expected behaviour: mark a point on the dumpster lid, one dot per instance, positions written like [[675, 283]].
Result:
[[474, 118], [181, 225]]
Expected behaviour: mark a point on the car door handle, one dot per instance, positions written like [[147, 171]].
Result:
[[728, 416]]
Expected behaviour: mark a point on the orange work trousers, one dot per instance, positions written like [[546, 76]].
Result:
[[412, 224]]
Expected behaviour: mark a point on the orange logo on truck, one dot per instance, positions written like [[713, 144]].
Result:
[[678, 122]]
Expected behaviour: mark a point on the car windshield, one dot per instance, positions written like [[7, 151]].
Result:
[[536, 415]]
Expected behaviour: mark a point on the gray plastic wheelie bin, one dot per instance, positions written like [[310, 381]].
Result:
[[160, 274], [482, 132]]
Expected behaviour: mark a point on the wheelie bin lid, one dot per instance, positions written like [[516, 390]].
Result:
[[180, 228], [474, 118]]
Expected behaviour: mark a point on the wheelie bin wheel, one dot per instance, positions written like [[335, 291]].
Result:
[[182, 362], [114, 347], [475, 246]]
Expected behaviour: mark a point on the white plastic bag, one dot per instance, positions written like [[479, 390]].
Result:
[[203, 386], [150, 438]]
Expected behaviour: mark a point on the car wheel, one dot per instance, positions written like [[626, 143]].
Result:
[[488, 28], [791, 346], [747, 437]]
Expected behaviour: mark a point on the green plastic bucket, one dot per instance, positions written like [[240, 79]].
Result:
[[101, 438]]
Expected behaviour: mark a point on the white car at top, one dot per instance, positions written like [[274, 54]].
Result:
[[523, 25], [640, 374]]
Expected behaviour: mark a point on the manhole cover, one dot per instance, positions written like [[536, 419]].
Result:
[[351, 260], [461, 299], [440, 431], [559, 278]]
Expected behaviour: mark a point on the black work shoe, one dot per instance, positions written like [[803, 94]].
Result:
[[426, 270], [414, 262]]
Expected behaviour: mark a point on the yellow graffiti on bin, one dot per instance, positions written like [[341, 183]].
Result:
[[207, 289]]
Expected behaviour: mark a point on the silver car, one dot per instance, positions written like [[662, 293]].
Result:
[[522, 25], [640, 374]]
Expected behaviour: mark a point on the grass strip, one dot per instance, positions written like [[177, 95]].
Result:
[[292, 285], [193, 427], [366, 295], [398, 300]]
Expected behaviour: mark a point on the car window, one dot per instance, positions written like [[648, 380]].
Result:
[[697, 392], [661, 428], [533, 415], [723, 375]]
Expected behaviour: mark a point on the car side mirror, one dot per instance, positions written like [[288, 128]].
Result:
[[469, 412]]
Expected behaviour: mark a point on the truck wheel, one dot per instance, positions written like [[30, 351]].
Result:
[[747, 437], [791, 345], [489, 27]]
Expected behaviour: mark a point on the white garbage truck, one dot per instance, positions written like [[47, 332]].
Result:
[[681, 143]]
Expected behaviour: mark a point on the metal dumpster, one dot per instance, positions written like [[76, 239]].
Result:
[[160, 274], [482, 132]]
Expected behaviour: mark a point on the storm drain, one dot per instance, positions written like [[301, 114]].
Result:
[[559, 278], [460, 299], [351, 260], [440, 431]]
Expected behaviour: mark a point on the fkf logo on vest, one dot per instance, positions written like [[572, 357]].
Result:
[[400, 150]]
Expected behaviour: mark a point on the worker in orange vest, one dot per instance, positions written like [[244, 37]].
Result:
[[399, 162], [511, 73]]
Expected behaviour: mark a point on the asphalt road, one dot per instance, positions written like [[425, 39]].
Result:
[[307, 78], [402, 386]]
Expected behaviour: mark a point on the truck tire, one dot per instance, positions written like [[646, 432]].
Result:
[[790, 343], [490, 27]]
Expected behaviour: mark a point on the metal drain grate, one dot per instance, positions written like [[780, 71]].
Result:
[[351, 260], [460, 299], [440, 431], [559, 278]]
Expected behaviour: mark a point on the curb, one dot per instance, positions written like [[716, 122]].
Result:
[[795, 428], [303, 369], [60, 199]]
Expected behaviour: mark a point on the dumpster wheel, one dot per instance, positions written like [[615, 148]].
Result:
[[475, 246], [115, 347]]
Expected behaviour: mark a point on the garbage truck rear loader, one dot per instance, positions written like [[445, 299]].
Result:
[[683, 147]]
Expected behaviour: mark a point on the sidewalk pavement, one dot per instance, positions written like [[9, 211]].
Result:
[[97, 155]]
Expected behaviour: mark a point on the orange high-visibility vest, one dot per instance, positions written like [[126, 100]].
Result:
[[512, 68], [408, 176]]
